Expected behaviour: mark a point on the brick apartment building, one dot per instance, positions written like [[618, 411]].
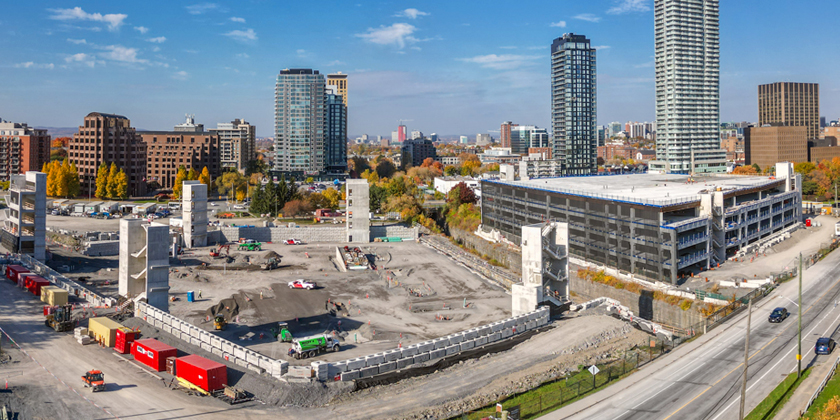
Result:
[[22, 149], [616, 151], [188, 146], [108, 138], [765, 146]]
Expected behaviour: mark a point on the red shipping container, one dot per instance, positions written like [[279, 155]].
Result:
[[125, 336], [152, 353], [12, 271], [34, 284], [206, 374]]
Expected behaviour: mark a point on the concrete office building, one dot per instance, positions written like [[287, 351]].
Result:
[[687, 37], [144, 262], [358, 211], [335, 135], [339, 80], [188, 145], [299, 122], [574, 105], [25, 227], [504, 137], [483, 139], [194, 208], [659, 226], [790, 104], [414, 152], [416, 135], [237, 143], [22, 149], [524, 137], [108, 138], [765, 146]]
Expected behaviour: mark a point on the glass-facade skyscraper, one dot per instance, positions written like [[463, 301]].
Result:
[[299, 103], [574, 104], [687, 37], [335, 137]]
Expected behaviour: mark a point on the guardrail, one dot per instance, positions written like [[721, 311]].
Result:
[[822, 385]]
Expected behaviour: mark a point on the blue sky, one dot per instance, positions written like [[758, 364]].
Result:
[[451, 67]]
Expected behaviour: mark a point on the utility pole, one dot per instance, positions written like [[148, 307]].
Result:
[[799, 348], [746, 360]]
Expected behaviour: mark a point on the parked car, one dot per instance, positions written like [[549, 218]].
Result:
[[302, 284], [778, 315], [825, 345], [293, 242]]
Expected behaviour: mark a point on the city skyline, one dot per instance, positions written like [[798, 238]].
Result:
[[439, 65]]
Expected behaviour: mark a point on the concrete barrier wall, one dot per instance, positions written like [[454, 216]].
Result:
[[395, 231], [102, 248], [225, 349], [306, 234], [429, 351]]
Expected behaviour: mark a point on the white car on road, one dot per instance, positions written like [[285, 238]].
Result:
[[302, 284]]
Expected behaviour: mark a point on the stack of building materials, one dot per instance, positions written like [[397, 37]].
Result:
[[54, 296], [81, 336], [321, 370]]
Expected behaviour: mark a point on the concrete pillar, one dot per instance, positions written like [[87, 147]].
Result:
[[358, 211], [194, 205]]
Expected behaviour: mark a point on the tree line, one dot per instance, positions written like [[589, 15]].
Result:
[[62, 178]]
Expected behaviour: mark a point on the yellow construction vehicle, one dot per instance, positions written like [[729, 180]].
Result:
[[219, 322]]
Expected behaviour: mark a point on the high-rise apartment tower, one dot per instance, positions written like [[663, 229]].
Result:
[[687, 38], [574, 104], [299, 122]]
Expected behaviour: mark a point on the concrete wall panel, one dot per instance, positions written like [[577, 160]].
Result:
[[374, 359], [409, 351], [437, 354], [441, 343], [392, 355], [217, 352], [480, 341], [167, 328], [422, 357], [206, 347], [456, 338], [356, 364], [453, 349], [387, 367], [425, 347], [403, 363], [369, 371], [468, 344], [350, 375]]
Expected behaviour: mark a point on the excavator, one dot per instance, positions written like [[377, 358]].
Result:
[[94, 379], [61, 320], [216, 253]]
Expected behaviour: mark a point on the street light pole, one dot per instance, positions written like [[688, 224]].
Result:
[[799, 348], [746, 360]]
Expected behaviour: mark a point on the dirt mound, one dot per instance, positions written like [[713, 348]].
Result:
[[269, 255], [229, 308]]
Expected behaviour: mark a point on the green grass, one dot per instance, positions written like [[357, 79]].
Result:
[[774, 402], [832, 388], [551, 396]]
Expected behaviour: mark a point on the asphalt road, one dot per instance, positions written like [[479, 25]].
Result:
[[702, 379]]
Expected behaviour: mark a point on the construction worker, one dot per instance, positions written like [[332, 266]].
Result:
[[199, 293]]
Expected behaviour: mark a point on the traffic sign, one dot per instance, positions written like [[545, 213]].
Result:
[[593, 370]]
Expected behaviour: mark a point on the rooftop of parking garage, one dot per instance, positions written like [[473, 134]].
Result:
[[649, 188]]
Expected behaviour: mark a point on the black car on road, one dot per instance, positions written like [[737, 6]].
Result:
[[824, 345], [778, 315]]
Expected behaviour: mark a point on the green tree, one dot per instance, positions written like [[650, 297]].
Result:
[[180, 177], [255, 166], [232, 183], [378, 195], [357, 165], [111, 189], [204, 178], [192, 175], [121, 185], [102, 181], [74, 187]]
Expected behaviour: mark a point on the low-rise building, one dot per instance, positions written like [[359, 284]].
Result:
[[662, 227], [499, 155], [448, 160], [539, 168], [447, 183], [169, 150]]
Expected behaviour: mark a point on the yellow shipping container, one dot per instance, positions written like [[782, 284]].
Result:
[[54, 296], [104, 329]]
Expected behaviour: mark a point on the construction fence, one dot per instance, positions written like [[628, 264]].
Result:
[[563, 390]]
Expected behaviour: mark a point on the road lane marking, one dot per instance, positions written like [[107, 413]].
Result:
[[619, 416]]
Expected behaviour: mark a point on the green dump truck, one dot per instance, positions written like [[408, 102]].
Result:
[[303, 348]]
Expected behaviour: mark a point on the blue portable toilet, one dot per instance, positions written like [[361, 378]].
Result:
[[190, 296], [336, 182]]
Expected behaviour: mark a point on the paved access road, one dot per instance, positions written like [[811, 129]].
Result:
[[702, 379]]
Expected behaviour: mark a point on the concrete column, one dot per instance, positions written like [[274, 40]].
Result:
[[194, 205], [358, 211]]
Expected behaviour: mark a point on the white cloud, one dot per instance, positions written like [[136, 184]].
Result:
[[141, 29], [237, 19], [628, 6], [501, 62], [180, 75], [158, 40], [198, 9], [86, 59], [559, 24], [122, 54], [33, 65], [243, 55], [589, 17], [302, 53], [155, 48], [508, 47], [76, 41], [601, 47], [411, 13], [537, 47], [114, 21], [396, 34], [336, 63], [246, 35]]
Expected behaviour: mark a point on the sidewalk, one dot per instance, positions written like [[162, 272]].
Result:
[[797, 402]]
